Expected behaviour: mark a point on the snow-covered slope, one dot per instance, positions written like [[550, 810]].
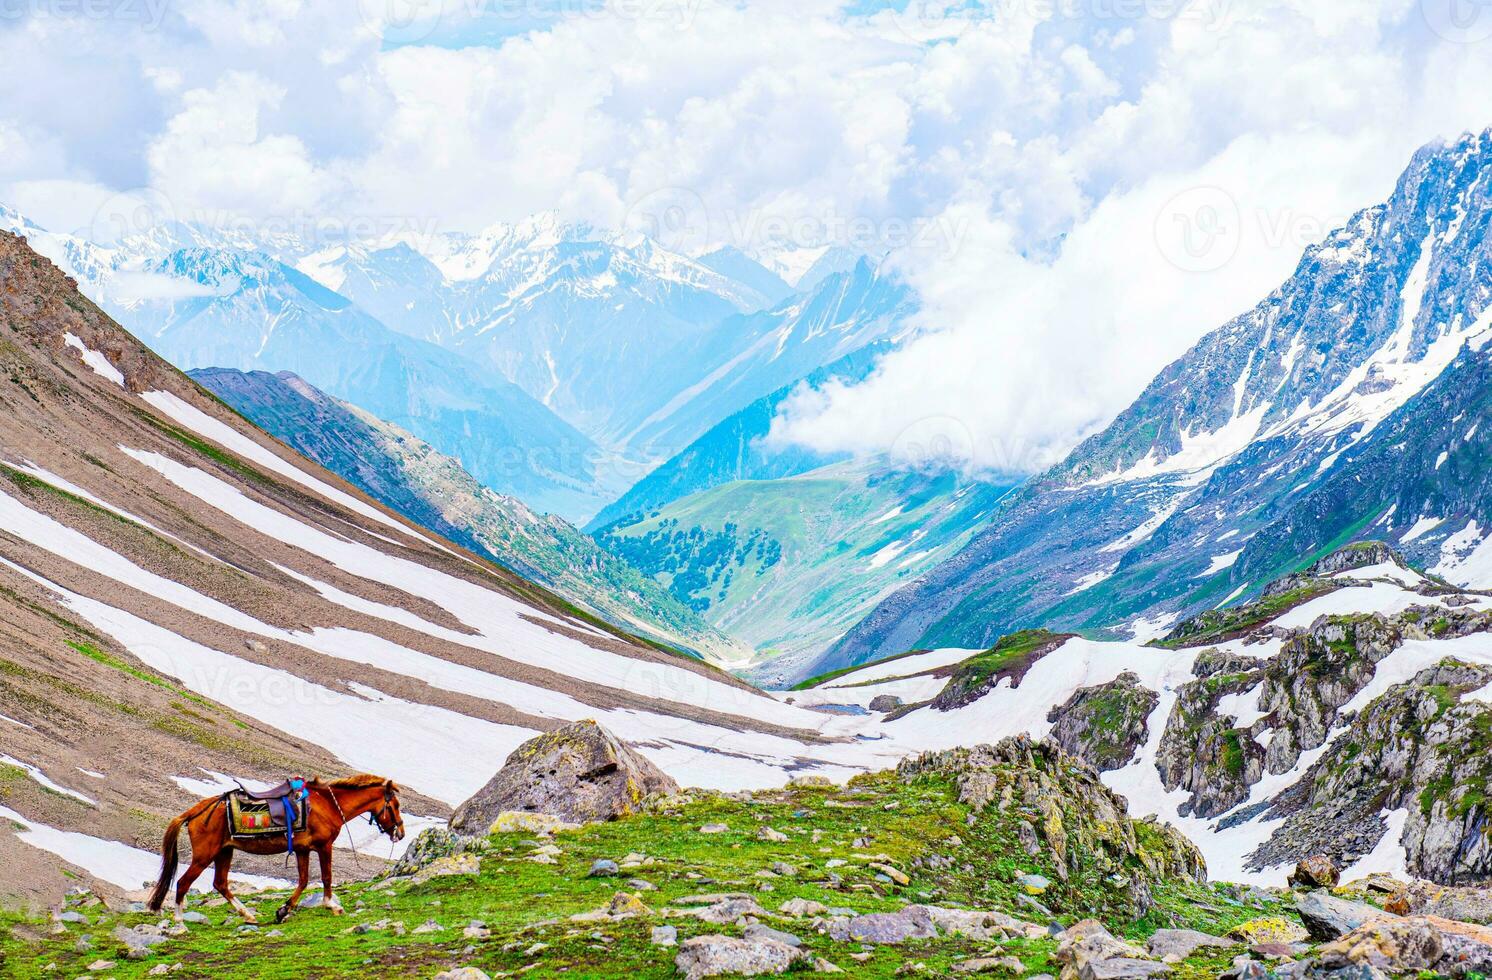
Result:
[[1230, 730], [434, 491], [1154, 517]]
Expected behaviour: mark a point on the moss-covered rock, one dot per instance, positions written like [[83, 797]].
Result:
[[1105, 724]]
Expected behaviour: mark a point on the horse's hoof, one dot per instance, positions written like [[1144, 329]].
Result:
[[282, 913]]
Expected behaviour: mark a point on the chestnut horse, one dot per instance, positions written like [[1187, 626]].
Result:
[[332, 806]]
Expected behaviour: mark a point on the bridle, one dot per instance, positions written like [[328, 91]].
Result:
[[385, 812]]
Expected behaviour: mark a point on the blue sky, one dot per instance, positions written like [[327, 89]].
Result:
[[1031, 166]]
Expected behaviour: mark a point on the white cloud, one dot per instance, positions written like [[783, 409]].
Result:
[[1046, 148]]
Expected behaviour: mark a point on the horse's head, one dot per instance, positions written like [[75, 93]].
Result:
[[387, 817]]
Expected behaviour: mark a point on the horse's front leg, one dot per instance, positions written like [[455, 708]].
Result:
[[324, 856], [220, 882], [303, 864]]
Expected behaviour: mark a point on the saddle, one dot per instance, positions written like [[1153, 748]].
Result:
[[283, 810]]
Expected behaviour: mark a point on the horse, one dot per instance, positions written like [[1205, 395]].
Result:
[[332, 805]]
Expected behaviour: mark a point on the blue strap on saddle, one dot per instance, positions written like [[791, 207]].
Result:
[[297, 791]]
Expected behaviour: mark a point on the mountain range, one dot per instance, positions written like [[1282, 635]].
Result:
[[1325, 414]]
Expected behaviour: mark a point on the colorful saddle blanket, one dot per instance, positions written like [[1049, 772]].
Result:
[[280, 812]]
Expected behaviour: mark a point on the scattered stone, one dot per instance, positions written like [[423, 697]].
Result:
[[463, 973], [801, 907], [193, 917], [1182, 942], [603, 868], [928, 922], [990, 964], [728, 910], [1121, 968], [1270, 929], [76, 918], [1034, 884], [456, 864], [139, 941], [625, 905], [768, 834], [885, 702], [579, 773], [810, 780], [427, 927], [99, 966], [783, 869], [892, 873], [1318, 871], [714, 828], [1424, 898], [1396, 945], [713, 956], [431, 845], [759, 931], [665, 936], [1087, 943], [1327, 917]]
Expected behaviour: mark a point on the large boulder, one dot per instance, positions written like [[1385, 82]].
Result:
[[580, 773]]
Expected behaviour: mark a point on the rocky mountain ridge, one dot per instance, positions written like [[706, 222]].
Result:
[[1277, 438]]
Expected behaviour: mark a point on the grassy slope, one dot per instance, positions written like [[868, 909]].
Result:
[[524, 903], [788, 564]]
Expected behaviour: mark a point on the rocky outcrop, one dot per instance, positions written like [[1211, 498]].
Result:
[[1318, 671], [1105, 724], [1420, 747], [1008, 659], [580, 773], [1446, 901], [1203, 752], [1070, 823]]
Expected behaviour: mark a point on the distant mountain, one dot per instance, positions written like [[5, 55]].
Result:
[[752, 355], [786, 565], [433, 490], [734, 449], [737, 265], [590, 325], [1156, 517], [239, 307]]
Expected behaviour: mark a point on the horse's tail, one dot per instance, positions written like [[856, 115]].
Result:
[[169, 849]]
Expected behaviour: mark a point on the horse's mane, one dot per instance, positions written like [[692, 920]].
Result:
[[362, 781]]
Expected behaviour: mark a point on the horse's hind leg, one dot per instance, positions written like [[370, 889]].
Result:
[[184, 883], [303, 864], [220, 882]]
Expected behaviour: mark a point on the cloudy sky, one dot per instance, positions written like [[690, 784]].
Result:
[[1077, 188]]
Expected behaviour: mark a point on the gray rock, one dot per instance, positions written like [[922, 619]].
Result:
[[1182, 942], [604, 868], [139, 941], [580, 773], [728, 910], [664, 936], [1121, 968], [430, 846], [885, 702], [463, 973], [886, 928], [713, 956], [1327, 917], [1317, 871], [193, 917], [1103, 725], [77, 918], [758, 931]]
